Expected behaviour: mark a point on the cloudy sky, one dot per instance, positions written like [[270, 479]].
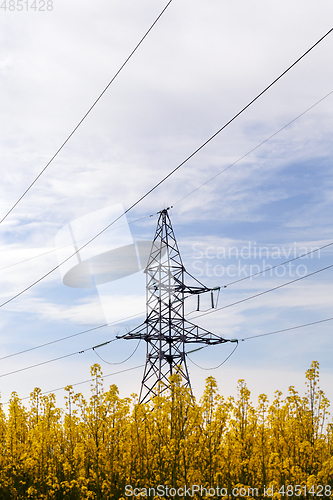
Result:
[[200, 65]]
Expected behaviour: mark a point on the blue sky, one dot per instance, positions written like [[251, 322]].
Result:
[[199, 66]]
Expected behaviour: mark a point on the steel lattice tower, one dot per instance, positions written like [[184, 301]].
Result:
[[165, 329]]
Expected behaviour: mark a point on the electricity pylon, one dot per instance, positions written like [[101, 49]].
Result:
[[165, 329]]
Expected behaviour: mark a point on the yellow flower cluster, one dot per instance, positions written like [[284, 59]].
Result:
[[95, 449]]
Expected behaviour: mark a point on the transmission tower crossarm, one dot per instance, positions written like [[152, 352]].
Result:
[[194, 290], [194, 334], [197, 334]]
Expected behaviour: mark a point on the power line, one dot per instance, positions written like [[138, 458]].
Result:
[[170, 173], [71, 336], [140, 366], [191, 192], [287, 329], [93, 348], [56, 359], [80, 383], [271, 333], [254, 337], [253, 149], [87, 113], [198, 316], [119, 362], [237, 114], [140, 314], [104, 376], [63, 262], [71, 244], [214, 367], [263, 293]]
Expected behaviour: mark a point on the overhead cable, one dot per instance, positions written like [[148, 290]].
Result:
[[71, 244], [105, 343], [251, 151], [87, 113], [118, 362], [269, 333], [71, 336], [141, 313], [190, 193], [286, 329], [56, 359], [254, 337], [233, 118], [218, 366], [278, 265], [80, 383]]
